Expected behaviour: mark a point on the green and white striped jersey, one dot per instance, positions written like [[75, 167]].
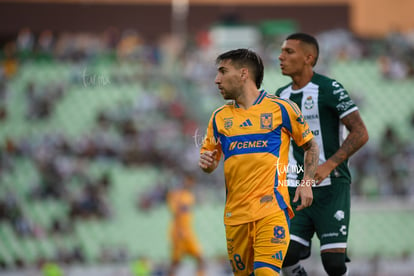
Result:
[[323, 102]]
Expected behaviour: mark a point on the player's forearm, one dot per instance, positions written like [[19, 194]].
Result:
[[354, 141], [357, 137], [311, 159]]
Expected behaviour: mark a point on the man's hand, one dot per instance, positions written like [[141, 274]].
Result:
[[208, 162], [323, 171], [304, 192]]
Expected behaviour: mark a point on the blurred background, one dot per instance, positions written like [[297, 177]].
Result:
[[104, 105]]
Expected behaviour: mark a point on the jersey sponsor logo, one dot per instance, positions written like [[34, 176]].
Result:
[[311, 116], [343, 96], [336, 84], [246, 123], [266, 199], [315, 132], [306, 132], [329, 235], [343, 230], [339, 215], [248, 144], [344, 105], [228, 123], [309, 103], [342, 93], [266, 120], [340, 90]]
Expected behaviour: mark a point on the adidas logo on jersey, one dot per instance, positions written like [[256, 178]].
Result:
[[246, 123], [278, 255]]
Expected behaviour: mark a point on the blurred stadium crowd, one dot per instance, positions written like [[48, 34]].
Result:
[[159, 124]]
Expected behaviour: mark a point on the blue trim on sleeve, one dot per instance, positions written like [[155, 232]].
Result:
[[263, 264], [215, 129], [285, 117]]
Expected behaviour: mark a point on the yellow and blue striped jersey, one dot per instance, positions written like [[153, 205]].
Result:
[[254, 144], [180, 203]]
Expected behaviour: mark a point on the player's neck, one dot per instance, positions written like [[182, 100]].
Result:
[[246, 99], [300, 81]]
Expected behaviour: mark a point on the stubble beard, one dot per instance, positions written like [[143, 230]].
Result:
[[227, 96], [232, 94]]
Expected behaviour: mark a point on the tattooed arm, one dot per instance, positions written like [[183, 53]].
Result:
[[304, 189], [311, 159], [357, 137]]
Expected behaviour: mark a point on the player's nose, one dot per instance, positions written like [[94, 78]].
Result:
[[217, 80]]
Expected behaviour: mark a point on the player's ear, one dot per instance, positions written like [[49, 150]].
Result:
[[310, 59], [244, 73]]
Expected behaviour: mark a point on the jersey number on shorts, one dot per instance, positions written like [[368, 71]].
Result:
[[237, 263]]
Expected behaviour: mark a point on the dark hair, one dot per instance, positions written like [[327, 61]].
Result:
[[308, 39], [248, 58]]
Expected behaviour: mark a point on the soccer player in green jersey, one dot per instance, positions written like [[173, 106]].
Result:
[[330, 113]]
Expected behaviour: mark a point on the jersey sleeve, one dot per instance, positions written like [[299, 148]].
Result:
[[211, 140], [299, 128], [339, 100]]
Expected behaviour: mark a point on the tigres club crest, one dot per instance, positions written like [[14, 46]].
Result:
[[266, 120], [279, 234], [309, 102], [228, 123]]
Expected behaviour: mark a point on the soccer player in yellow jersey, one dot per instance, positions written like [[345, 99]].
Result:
[[183, 239], [253, 134]]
